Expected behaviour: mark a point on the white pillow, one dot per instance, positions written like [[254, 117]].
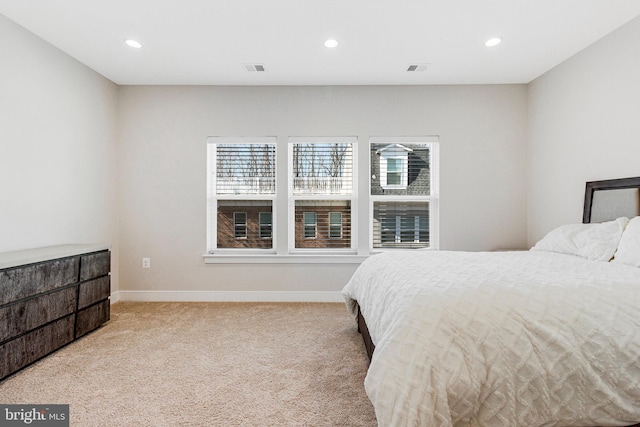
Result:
[[629, 247], [596, 242]]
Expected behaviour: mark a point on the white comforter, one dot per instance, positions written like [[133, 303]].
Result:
[[500, 339]]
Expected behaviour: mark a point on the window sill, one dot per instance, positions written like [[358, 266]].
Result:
[[283, 259]]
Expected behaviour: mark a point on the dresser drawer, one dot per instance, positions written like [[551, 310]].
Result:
[[22, 351], [92, 317], [25, 281], [18, 318], [93, 291], [95, 265]]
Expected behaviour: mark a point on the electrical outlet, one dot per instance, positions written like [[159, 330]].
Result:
[[146, 262]]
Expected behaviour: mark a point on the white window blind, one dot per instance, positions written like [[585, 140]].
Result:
[[322, 168], [245, 169]]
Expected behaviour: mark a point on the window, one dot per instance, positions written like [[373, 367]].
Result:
[[393, 165], [402, 197], [314, 207], [321, 193], [394, 171], [335, 225], [310, 224], [240, 225], [266, 225], [241, 193]]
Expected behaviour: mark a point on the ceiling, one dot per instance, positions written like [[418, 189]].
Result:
[[208, 42]]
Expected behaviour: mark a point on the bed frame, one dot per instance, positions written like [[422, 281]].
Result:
[[364, 331], [604, 200], [610, 199]]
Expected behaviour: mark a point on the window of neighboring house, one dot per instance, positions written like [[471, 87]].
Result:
[[310, 224], [393, 165], [321, 189], [241, 193], [394, 172], [403, 197], [266, 225], [240, 225], [401, 224], [335, 225]]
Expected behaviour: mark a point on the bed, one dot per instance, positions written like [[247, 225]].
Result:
[[545, 337]]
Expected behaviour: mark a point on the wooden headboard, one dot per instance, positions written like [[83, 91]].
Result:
[[610, 199]]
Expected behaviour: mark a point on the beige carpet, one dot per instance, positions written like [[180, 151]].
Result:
[[208, 364]]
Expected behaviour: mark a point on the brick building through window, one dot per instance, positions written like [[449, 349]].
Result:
[[245, 224], [331, 228]]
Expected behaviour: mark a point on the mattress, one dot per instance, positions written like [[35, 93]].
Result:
[[500, 338]]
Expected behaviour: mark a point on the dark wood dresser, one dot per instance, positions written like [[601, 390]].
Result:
[[48, 298]]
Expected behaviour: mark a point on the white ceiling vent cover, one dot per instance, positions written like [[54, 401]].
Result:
[[417, 67], [254, 67]]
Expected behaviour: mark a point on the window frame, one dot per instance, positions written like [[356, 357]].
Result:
[[213, 197], [350, 198], [432, 199], [282, 204]]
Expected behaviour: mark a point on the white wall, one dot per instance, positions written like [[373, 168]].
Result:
[[57, 147], [162, 171], [584, 124]]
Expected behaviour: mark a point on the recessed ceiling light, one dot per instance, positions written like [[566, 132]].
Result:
[[493, 42], [133, 43], [331, 43]]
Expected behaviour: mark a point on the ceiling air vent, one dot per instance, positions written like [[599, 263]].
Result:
[[254, 67], [417, 67]]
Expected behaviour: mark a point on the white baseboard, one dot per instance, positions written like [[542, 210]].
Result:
[[115, 297], [227, 296]]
